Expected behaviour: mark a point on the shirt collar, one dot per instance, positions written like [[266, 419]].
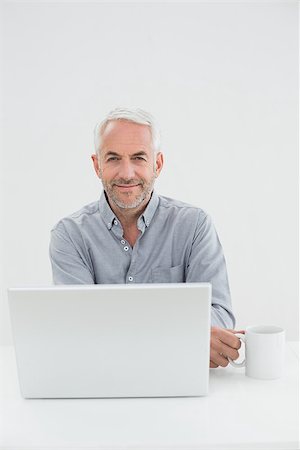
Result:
[[150, 209], [109, 216], [106, 212]]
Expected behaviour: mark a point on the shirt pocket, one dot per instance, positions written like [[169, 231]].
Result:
[[168, 274]]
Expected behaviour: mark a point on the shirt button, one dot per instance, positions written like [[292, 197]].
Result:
[[122, 241], [130, 279], [126, 248], [109, 224], [116, 222]]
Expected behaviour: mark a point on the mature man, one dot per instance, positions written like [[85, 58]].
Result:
[[133, 235]]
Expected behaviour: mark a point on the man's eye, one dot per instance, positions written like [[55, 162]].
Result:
[[139, 158], [112, 158]]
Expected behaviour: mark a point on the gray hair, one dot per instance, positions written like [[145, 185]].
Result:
[[131, 115]]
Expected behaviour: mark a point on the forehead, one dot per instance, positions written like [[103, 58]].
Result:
[[121, 132]]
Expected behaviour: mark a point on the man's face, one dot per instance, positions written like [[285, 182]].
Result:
[[126, 164]]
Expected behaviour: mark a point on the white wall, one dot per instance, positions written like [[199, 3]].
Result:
[[221, 78]]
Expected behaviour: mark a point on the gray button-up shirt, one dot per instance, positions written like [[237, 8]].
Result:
[[177, 243]]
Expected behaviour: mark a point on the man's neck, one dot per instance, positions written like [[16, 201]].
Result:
[[129, 216]]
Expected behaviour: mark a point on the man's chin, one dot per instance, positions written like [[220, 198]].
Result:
[[129, 204], [128, 200]]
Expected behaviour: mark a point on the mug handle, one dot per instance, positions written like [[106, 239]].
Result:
[[243, 363]]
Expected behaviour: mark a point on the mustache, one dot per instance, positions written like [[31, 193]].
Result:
[[124, 182]]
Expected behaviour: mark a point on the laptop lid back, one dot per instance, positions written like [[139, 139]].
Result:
[[147, 340]]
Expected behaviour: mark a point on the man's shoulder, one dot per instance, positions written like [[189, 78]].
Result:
[[82, 215], [184, 214], [167, 202]]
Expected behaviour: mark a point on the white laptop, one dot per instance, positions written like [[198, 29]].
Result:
[[142, 340]]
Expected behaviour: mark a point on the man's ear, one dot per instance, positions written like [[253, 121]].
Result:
[[159, 163], [96, 164]]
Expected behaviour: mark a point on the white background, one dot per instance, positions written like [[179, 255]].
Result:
[[221, 78]]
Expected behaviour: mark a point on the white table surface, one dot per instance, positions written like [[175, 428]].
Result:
[[239, 413]]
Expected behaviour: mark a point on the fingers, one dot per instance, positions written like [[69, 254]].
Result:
[[223, 344], [225, 336], [224, 349], [213, 365], [218, 359]]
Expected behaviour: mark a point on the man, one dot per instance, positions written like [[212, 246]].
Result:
[[132, 235]]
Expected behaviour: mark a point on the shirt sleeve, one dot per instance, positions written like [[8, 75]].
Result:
[[68, 263], [207, 264]]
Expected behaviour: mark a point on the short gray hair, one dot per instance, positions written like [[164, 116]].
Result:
[[131, 115]]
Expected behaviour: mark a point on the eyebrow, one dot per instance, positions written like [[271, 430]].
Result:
[[112, 153]]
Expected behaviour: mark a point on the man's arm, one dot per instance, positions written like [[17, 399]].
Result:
[[69, 265], [207, 264]]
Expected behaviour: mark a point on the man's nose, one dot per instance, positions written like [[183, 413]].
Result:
[[126, 170]]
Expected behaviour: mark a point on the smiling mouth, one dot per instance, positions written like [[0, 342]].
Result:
[[126, 186]]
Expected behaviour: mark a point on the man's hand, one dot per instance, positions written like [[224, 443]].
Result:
[[223, 343]]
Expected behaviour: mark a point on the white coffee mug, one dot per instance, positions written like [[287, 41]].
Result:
[[264, 352]]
